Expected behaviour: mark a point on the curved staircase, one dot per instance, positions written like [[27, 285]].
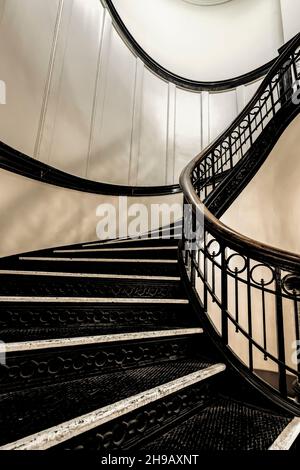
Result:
[[110, 345], [116, 361]]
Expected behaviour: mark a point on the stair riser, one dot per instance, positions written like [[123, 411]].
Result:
[[32, 368], [129, 432], [52, 286], [135, 317], [148, 269]]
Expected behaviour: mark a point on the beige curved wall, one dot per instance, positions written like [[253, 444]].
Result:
[[79, 99], [36, 215], [268, 209]]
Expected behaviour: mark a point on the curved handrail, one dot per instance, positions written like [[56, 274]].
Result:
[[231, 236], [194, 85], [16, 162], [228, 257]]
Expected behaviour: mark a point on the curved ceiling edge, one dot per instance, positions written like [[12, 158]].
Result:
[[194, 85], [16, 162], [207, 2]]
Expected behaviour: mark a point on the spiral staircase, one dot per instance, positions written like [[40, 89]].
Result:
[[112, 345]]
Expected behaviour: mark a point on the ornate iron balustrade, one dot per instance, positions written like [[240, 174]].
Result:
[[249, 291]]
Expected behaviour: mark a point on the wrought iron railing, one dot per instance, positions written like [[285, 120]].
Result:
[[250, 292]]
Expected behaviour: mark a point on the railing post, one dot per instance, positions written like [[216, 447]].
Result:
[[193, 248], [280, 334], [286, 83], [249, 307], [224, 295]]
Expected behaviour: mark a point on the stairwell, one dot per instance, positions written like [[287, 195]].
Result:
[[104, 352]]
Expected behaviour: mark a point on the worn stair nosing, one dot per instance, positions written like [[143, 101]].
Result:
[[98, 260], [126, 240], [117, 250], [93, 300], [288, 436], [89, 275], [99, 339], [65, 431]]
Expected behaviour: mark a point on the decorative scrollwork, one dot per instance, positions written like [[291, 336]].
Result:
[[213, 248], [266, 275], [236, 263], [291, 285]]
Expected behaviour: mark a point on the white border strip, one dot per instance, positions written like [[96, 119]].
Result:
[[99, 260], [63, 432], [288, 436], [99, 339], [93, 300], [146, 236], [117, 250], [89, 275], [126, 240]]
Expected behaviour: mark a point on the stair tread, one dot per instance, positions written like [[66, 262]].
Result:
[[39, 333], [226, 425], [53, 404]]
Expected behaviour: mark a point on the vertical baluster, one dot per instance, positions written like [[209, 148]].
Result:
[[236, 294], [230, 152], [286, 82], [272, 100], [261, 116], [240, 141], [249, 307], [280, 334], [184, 230], [296, 313], [224, 295], [250, 130], [205, 271], [294, 72], [213, 170], [193, 249], [206, 177], [297, 332], [264, 317], [213, 281]]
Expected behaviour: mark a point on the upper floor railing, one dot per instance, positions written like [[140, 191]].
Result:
[[182, 82], [249, 291]]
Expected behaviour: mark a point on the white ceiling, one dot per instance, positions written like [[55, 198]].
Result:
[[205, 42]]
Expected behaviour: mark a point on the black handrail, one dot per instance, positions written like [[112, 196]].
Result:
[[231, 274], [194, 85], [16, 162]]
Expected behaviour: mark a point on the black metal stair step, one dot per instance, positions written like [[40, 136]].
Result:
[[226, 425], [28, 411], [96, 253], [34, 334], [95, 267], [52, 286], [17, 317], [155, 241], [29, 364]]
